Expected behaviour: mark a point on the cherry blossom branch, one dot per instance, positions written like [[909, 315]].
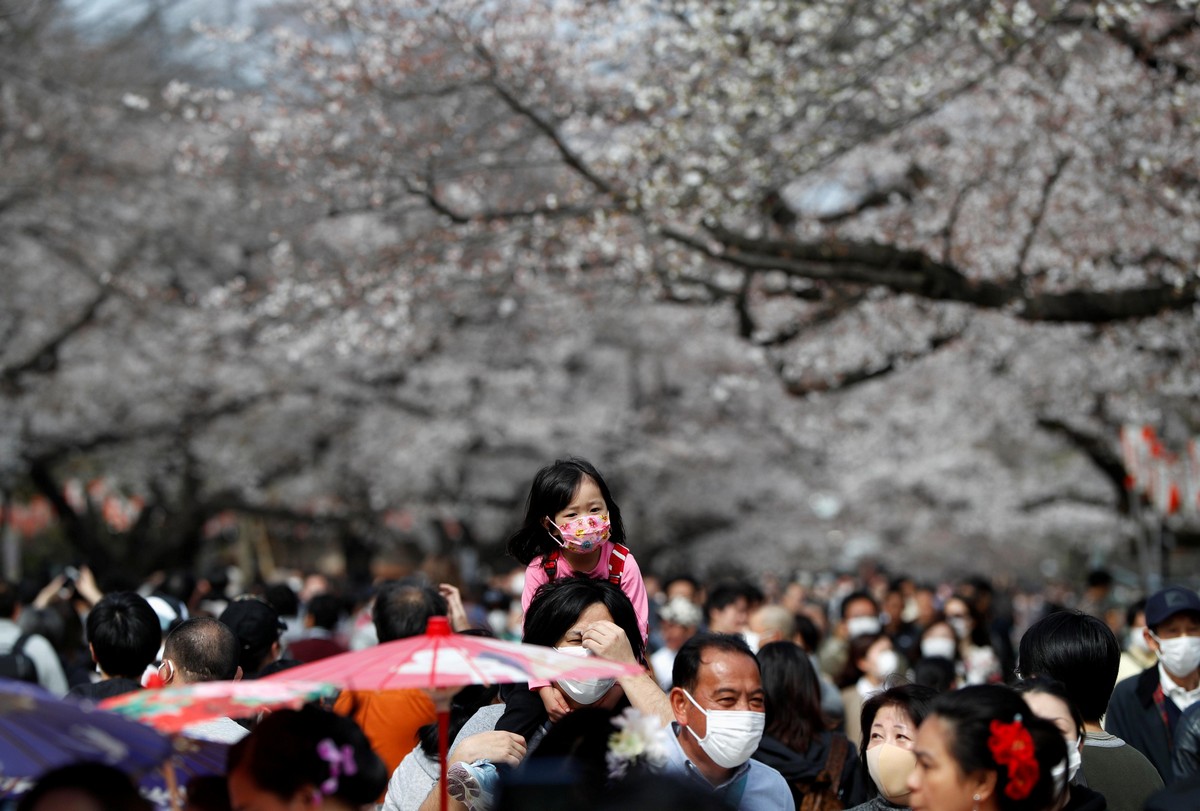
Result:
[[1146, 51], [425, 190], [44, 356], [1098, 449], [1039, 213], [904, 270], [894, 361], [548, 129], [839, 303]]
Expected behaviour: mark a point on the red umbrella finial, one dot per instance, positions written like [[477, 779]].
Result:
[[438, 626]]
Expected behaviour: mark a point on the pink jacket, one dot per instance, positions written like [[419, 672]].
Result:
[[631, 584]]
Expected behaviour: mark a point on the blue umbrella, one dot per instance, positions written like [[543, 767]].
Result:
[[39, 732], [192, 758]]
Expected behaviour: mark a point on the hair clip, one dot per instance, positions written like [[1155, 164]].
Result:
[[341, 762]]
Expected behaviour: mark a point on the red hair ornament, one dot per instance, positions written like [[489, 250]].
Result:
[[1012, 747]]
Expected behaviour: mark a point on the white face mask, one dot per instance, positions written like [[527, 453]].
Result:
[[1180, 656], [732, 735], [961, 626], [753, 640], [584, 691], [937, 646], [498, 621], [516, 585], [863, 626], [886, 663], [1137, 639], [889, 766], [1074, 759]]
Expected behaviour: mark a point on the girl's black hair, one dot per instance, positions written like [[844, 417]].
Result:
[[793, 695], [281, 755], [553, 488], [556, 607], [969, 713]]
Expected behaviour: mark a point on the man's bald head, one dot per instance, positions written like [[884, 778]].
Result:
[[202, 649]]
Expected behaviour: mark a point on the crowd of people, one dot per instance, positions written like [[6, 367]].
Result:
[[869, 690]]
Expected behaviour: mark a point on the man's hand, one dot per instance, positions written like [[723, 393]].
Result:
[[497, 746], [85, 586], [456, 611]]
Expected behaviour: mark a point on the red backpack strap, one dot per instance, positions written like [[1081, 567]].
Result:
[[616, 563], [550, 564]]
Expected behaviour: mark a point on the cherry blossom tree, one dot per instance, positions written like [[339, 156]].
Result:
[[843, 278]]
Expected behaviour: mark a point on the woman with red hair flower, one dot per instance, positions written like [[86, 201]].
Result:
[[982, 749]]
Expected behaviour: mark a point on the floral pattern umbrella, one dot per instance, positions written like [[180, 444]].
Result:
[[174, 709]]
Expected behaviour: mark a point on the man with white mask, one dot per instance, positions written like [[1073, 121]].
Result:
[[720, 715], [859, 617], [1145, 710]]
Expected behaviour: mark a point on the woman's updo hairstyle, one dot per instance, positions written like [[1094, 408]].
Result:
[[979, 744], [311, 748]]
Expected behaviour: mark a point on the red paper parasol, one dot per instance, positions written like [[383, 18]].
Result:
[[440, 658]]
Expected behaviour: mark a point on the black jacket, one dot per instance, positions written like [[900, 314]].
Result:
[[1187, 744], [1085, 799], [1182, 796], [800, 768], [117, 685], [1133, 717]]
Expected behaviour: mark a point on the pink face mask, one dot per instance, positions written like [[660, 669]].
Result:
[[585, 533]]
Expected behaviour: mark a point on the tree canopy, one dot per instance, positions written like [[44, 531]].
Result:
[[842, 278]]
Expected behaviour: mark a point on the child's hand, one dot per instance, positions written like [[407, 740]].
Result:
[[555, 701]]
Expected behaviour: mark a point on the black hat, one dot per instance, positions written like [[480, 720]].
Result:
[[1165, 604], [256, 624]]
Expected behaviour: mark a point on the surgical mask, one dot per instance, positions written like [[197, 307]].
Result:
[[863, 626], [1180, 656], [889, 766], [1137, 639], [937, 646], [516, 584], [732, 735], [961, 626], [1074, 760], [585, 533], [886, 663], [584, 691], [753, 640], [498, 621]]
